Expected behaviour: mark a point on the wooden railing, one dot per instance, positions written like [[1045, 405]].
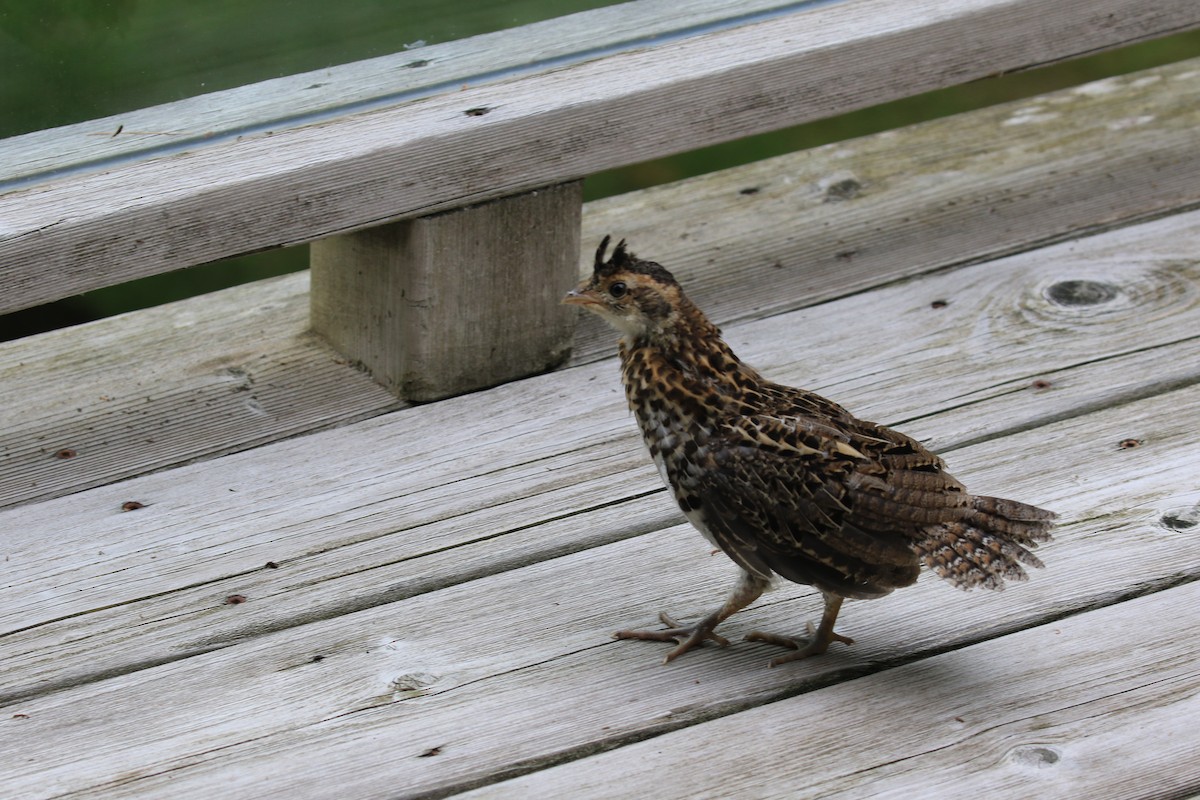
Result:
[[117, 214]]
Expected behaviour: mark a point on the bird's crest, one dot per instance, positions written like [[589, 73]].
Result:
[[622, 259]]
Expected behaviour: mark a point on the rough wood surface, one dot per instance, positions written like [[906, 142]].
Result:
[[453, 480], [277, 188], [454, 302], [515, 671], [930, 196], [376, 82], [1002, 719], [161, 387], [419, 603]]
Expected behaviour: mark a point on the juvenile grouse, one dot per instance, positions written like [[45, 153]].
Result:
[[784, 481]]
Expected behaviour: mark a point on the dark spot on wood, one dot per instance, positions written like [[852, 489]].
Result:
[[317, 659], [420, 62], [1041, 384], [65, 453], [845, 189], [477, 112], [749, 190], [939, 304], [235, 599], [132, 505], [433, 751], [1037, 757], [1129, 444], [1081, 293], [19, 715], [845, 255], [1182, 519], [271, 565]]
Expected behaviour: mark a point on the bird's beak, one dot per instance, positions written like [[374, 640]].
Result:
[[581, 297]]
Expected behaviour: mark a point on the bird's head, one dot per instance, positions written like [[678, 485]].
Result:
[[639, 298]]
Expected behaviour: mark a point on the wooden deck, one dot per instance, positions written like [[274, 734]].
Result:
[[327, 593]]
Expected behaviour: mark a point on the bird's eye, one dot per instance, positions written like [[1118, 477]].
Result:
[[618, 289]]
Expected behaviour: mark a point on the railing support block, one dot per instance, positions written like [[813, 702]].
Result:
[[455, 301]]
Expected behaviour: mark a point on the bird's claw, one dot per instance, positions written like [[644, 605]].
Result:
[[814, 645], [685, 636]]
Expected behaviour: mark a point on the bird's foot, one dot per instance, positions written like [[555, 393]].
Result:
[[818, 642], [685, 636]]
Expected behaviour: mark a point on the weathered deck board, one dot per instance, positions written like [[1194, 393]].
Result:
[[162, 387], [848, 216], [386, 80], [515, 670], [1046, 712], [270, 189], [439, 494], [238, 368]]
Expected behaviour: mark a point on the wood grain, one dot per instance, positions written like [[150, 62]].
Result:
[[385, 81], [165, 386], [930, 197], [515, 671], [279, 188], [454, 302], [1002, 718], [798, 229], [437, 495]]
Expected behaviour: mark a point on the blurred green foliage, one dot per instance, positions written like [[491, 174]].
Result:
[[64, 61]]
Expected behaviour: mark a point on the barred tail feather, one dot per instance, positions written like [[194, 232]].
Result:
[[989, 545]]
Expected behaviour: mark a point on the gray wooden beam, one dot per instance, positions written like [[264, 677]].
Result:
[[456, 301]]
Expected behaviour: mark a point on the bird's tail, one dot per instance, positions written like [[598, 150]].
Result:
[[988, 545]]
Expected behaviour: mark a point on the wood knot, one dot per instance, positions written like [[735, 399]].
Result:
[[411, 684], [1037, 756], [840, 186], [1181, 519], [1081, 293]]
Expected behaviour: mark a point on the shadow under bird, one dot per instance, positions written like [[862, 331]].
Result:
[[786, 482]]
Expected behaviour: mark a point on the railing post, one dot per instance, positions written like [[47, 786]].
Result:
[[455, 301]]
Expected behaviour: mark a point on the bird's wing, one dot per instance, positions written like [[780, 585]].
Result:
[[837, 507]]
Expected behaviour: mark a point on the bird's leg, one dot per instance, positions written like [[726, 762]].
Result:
[[748, 589], [818, 641]]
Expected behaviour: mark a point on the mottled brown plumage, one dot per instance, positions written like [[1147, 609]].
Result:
[[784, 481]]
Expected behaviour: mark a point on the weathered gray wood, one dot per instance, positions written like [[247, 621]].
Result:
[[439, 494], [165, 386], [1101, 705], [930, 197], [454, 302], [801, 228], [515, 671], [384, 81], [300, 184]]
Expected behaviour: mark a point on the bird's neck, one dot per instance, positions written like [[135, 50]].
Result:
[[686, 366]]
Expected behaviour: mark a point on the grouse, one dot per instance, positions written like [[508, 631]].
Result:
[[785, 482]]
